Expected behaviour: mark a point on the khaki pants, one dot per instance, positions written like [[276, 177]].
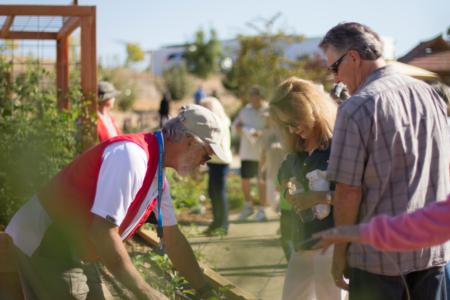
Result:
[[43, 279]]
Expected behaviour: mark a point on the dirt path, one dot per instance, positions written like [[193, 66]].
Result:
[[250, 256]]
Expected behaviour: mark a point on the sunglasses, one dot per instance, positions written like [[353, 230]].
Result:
[[334, 67]]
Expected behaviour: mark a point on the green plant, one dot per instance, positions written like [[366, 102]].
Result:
[[202, 57], [177, 81], [171, 283], [261, 61], [36, 138], [234, 192], [186, 191]]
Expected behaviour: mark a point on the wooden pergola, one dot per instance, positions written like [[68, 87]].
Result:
[[72, 17], [67, 18]]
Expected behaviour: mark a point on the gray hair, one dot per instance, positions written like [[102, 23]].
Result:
[[354, 36], [175, 131]]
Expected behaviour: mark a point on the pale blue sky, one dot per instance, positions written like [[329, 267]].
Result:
[[153, 23]]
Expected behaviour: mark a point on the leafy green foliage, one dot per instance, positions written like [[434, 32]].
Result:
[[171, 283], [177, 81], [36, 139], [186, 191], [203, 56], [261, 61]]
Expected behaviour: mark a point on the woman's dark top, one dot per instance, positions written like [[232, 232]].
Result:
[[298, 165]]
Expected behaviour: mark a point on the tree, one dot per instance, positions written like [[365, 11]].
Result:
[[202, 57], [261, 61], [177, 81], [134, 53], [36, 138]]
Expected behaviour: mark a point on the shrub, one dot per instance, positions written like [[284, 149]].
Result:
[[36, 139], [177, 81]]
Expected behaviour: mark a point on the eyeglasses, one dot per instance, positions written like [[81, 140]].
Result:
[[334, 67]]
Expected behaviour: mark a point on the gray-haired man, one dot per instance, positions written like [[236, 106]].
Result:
[[101, 198], [389, 155]]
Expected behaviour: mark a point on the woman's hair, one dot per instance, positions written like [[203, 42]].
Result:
[[303, 102]]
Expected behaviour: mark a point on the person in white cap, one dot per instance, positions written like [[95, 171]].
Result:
[[101, 198], [106, 124]]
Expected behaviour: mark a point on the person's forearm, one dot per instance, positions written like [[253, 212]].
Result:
[[346, 203], [124, 270], [114, 255], [307, 200], [425, 227], [182, 257]]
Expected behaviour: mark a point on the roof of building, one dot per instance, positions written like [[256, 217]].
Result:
[[435, 62], [425, 48]]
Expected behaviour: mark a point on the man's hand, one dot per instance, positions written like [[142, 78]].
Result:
[[346, 203], [182, 257], [339, 267]]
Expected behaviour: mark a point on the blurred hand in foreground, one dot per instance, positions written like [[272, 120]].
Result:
[[337, 235]]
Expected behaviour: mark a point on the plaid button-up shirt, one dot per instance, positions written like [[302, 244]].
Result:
[[391, 139]]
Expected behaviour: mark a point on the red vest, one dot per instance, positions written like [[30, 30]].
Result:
[[102, 130], [69, 196]]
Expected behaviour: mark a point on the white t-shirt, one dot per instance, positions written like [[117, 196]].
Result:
[[251, 119], [121, 176]]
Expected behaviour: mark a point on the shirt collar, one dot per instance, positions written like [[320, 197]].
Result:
[[376, 74]]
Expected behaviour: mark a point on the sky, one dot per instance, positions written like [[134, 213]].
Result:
[[153, 24]]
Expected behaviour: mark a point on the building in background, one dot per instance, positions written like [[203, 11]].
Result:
[[432, 55], [168, 56]]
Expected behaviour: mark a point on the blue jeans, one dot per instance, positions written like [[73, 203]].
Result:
[[427, 284], [217, 191], [447, 280]]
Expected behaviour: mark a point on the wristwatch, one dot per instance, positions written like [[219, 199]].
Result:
[[329, 197]]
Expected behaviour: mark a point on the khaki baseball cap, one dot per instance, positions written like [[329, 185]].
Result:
[[203, 123]]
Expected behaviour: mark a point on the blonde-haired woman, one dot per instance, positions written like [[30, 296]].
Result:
[[306, 116], [218, 171]]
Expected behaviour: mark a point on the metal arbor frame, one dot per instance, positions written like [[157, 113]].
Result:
[[73, 17]]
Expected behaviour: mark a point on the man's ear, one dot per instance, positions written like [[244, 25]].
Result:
[[355, 57], [189, 140]]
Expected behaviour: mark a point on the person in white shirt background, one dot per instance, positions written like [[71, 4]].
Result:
[[250, 125]]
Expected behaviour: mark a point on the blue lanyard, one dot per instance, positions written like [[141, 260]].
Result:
[[159, 137]]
